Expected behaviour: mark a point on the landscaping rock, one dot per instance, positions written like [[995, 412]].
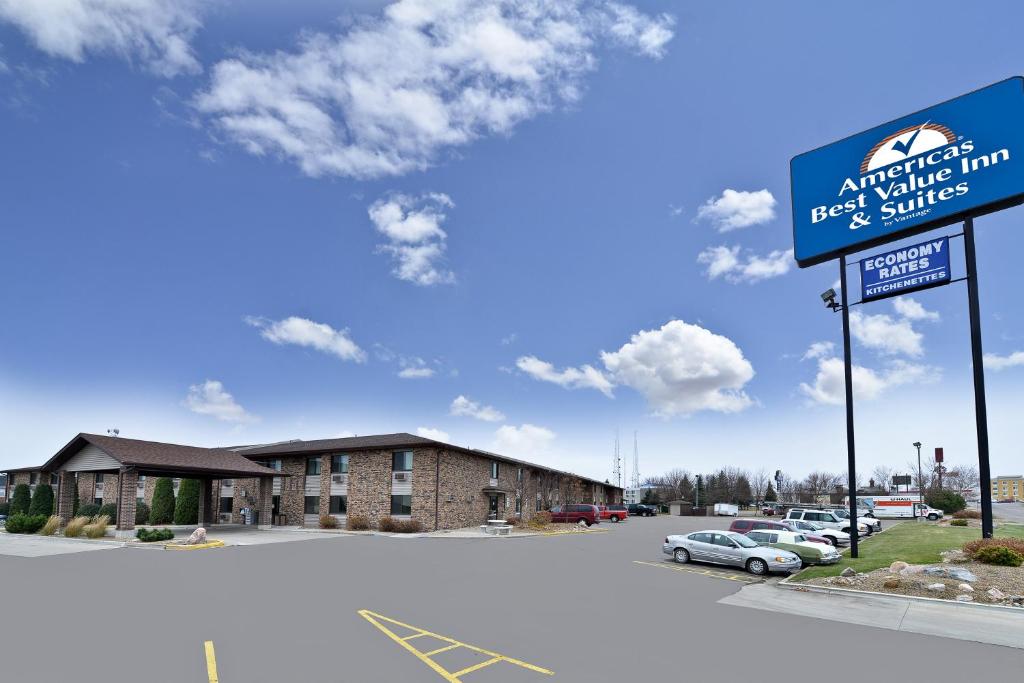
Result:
[[1017, 600], [912, 569], [966, 588], [996, 594], [936, 587], [891, 582], [898, 566], [845, 580], [957, 573], [965, 598], [198, 536], [849, 571]]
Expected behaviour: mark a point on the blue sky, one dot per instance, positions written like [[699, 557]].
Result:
[[229, 222]]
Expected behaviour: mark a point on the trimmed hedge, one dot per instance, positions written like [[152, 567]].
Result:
[[21, 498], [399, 526], [152, 535], [20, 523], [141, 513], [999, 555], [357, 523], [88, 510], [162, 511], [108, 509], [186, 510]]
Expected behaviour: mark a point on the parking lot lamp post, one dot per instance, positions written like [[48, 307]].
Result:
[[920, 474]]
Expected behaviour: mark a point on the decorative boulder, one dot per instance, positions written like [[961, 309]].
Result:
[[936, 587], [957, 573], [198, 536], [965, 588], [849, 571], [996, 594], [891, 582], [898, 566], [912, 569]]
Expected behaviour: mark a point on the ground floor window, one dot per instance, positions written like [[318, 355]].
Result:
[[98, 501], [519, 505], [339, 505], [140, 500], [275, 505], [312, 505], [401, 505], [226, 503]]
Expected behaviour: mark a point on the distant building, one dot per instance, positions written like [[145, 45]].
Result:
[[1008, 487]]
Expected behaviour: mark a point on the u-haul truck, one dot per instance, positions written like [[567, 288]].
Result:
[[896, 507]]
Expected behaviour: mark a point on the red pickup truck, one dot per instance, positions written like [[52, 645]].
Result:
[[584, 515], [615, 513]]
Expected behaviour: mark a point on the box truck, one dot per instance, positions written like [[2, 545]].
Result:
[[897, 507], [726, 510]]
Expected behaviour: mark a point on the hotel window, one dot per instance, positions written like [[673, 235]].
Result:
[[401, 461], [494, 469], [401, 505], [339, 505], [54, 478], [33, 478], [339, 464], [275, 505], [519, 505], [312, 505], [99, 479], [225, 503], [312, 466], [273, 464], [519, 474]]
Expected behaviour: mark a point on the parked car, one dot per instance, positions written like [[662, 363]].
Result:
[[584, 515], [826, 519], [641, 510], [615, 513], [810, 553], [872, 523], [771, 509], [729, 548], [809, 529], [743, 526]]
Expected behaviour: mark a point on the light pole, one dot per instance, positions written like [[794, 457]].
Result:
[[920, 475]]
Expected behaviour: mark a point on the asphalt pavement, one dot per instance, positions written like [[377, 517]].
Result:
[[589, 607]]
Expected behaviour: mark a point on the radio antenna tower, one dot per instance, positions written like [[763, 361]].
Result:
[[617, 468], [636, 463]]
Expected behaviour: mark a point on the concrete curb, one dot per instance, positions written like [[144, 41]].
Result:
[[813, 588], [198, 546]]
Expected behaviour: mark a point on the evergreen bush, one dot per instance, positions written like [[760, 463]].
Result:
[[162, 511], [20, 523], [88, 510], [21, 498], [42, 501], [108, 509], [141, 513], [186, 510]]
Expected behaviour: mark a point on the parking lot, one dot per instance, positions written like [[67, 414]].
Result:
[[578, 607]]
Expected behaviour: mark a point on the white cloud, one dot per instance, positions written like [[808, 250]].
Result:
[[829, 384], [210, 398], [463, 406], [819, 350], [416, 241], [524, 441], [727, 262], [304, 332], [416, 373], [911, 309], [996, 362], [738, 209], [509, 339], [885, 334], [435, 434], [585, 377], [155, 33], [392, 92], [682, 368]]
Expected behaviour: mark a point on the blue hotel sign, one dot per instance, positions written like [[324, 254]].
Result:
[[960, 158], [908, 269]]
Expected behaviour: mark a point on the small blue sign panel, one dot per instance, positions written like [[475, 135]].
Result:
[[960, 158], [905, 270]]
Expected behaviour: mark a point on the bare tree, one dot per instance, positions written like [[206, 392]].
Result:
[[882, 474], [759, 484], [960, 478], [819, 484]]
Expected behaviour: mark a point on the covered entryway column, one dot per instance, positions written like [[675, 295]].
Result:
[[206, 514], [66, 496], [127, 485], [265, 502]]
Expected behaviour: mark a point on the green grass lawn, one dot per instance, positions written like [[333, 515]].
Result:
[[910, 541]]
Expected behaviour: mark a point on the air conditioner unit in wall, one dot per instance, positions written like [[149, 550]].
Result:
[[338, 478], [399, 476]]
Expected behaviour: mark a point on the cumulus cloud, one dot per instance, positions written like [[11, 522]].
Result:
[[819, 350], [682, 369], [210, 398], [829, 386], [435, 434], [736, 209], [584, 377], [728, 262], [304, 332], [155, 33], [416, 241], [524, 441], [465, 407], [390, 93], [995, 362], [886, 335], [911, 309], [415, 368]]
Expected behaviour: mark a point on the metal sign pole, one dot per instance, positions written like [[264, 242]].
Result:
[[980, 409], [851, 450]]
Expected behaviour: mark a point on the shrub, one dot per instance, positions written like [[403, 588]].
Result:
[[75, 526], [967, 514], [1000, 555], [97, 528], [141, 513], [162, 511], [540, 520], [88, 510], [51, 526], [186, 510], [958, 522], [386, 524], [152, 535], [20, 500], [971, 548], [108, 510], [358, 523], [328, 522], [20, 523], [407, 526], [42, 501], [947, 501]]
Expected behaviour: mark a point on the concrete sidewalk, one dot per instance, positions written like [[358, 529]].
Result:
[[992, 625]]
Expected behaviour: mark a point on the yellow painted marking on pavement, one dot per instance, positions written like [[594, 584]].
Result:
[[571, 531], [426, 657], [415, 635], [211, 662], [704, 572]]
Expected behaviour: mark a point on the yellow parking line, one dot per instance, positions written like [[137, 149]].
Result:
[[211, 662], [425, 657], [572, 531], [703, 572]]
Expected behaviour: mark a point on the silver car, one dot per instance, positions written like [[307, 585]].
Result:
[[730, 548]]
